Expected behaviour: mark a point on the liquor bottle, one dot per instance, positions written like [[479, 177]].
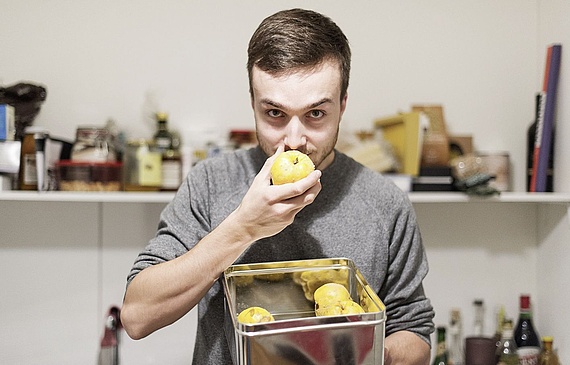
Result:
[[507, 348], [455, 339], [500, 322], [548, 356], [168, 145], [29, 174], [526, 337], [478, 323], [441, 353], [162, 137], [171, 170]]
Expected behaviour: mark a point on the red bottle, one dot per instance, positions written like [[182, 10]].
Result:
[[526, 337]]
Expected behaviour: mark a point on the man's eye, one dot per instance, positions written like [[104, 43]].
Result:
[[316, 114], [274, 113]]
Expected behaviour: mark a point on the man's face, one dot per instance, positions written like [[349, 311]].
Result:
[[301, 110]]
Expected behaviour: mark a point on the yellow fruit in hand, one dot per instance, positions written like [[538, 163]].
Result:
[[330, 294], [291, 166], [254, 315], [341, 308]]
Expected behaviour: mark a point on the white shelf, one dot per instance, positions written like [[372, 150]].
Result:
[[165, 197], [506, 197], [91, 197]]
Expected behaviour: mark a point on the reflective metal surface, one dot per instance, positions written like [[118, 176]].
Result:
[[297, 336]]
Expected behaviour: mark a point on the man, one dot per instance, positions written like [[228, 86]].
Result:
[[227, 211]]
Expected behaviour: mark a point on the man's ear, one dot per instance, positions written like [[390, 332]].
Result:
[[343, 104]]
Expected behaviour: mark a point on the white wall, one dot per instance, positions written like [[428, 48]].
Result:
[[123, 60], [482, 60]]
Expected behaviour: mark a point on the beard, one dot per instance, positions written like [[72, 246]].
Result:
[[317, 154]]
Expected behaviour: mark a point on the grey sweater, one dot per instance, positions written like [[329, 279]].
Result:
[[359, 214]]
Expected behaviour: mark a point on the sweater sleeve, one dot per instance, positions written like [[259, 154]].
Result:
[[407, 307], [183, 222]]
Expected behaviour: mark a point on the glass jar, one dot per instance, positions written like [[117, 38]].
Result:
[[143, 166], [28, 174], [93, 144]]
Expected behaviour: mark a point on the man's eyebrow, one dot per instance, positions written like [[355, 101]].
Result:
[[281, 106]]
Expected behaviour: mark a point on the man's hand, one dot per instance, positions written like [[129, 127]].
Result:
[[267, 209]]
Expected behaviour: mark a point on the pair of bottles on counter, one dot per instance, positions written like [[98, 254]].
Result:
[[168, 144], [454, 354], [522, 345], [507, 351]]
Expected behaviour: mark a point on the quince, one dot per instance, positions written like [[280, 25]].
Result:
[[330, 294], [341, 308], [291, 166], [254, 315], [312, 280]]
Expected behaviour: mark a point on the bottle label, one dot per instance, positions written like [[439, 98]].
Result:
[[529, 355], [441, 349], [30, 171], [162, 142], [171, 174], [150, 169]]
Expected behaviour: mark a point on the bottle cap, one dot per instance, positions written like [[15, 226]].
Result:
[[161, 116], [525, 302]]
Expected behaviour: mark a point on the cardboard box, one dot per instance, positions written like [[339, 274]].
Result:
[[7, 122], [404, 133]]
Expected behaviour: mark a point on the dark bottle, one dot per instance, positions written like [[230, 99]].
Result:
[[162, 137], [168, 145], [526, 337], [531, 139], [441, 353]]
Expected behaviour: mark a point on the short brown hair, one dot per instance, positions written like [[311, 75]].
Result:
[[298, 38]]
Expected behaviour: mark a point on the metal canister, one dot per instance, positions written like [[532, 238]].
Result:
[[142, 166]]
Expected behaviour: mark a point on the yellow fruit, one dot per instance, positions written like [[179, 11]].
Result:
[[291, 166], [333, 310], [344, 307], [330, 294], [312, 280], [254, 315]]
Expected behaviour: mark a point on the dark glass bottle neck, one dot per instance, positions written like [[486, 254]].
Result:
[[525, 314]]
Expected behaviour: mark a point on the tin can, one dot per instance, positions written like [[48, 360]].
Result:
[[143, 166], [278, 287]]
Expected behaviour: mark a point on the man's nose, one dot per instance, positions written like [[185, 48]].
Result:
[[295, 137]]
